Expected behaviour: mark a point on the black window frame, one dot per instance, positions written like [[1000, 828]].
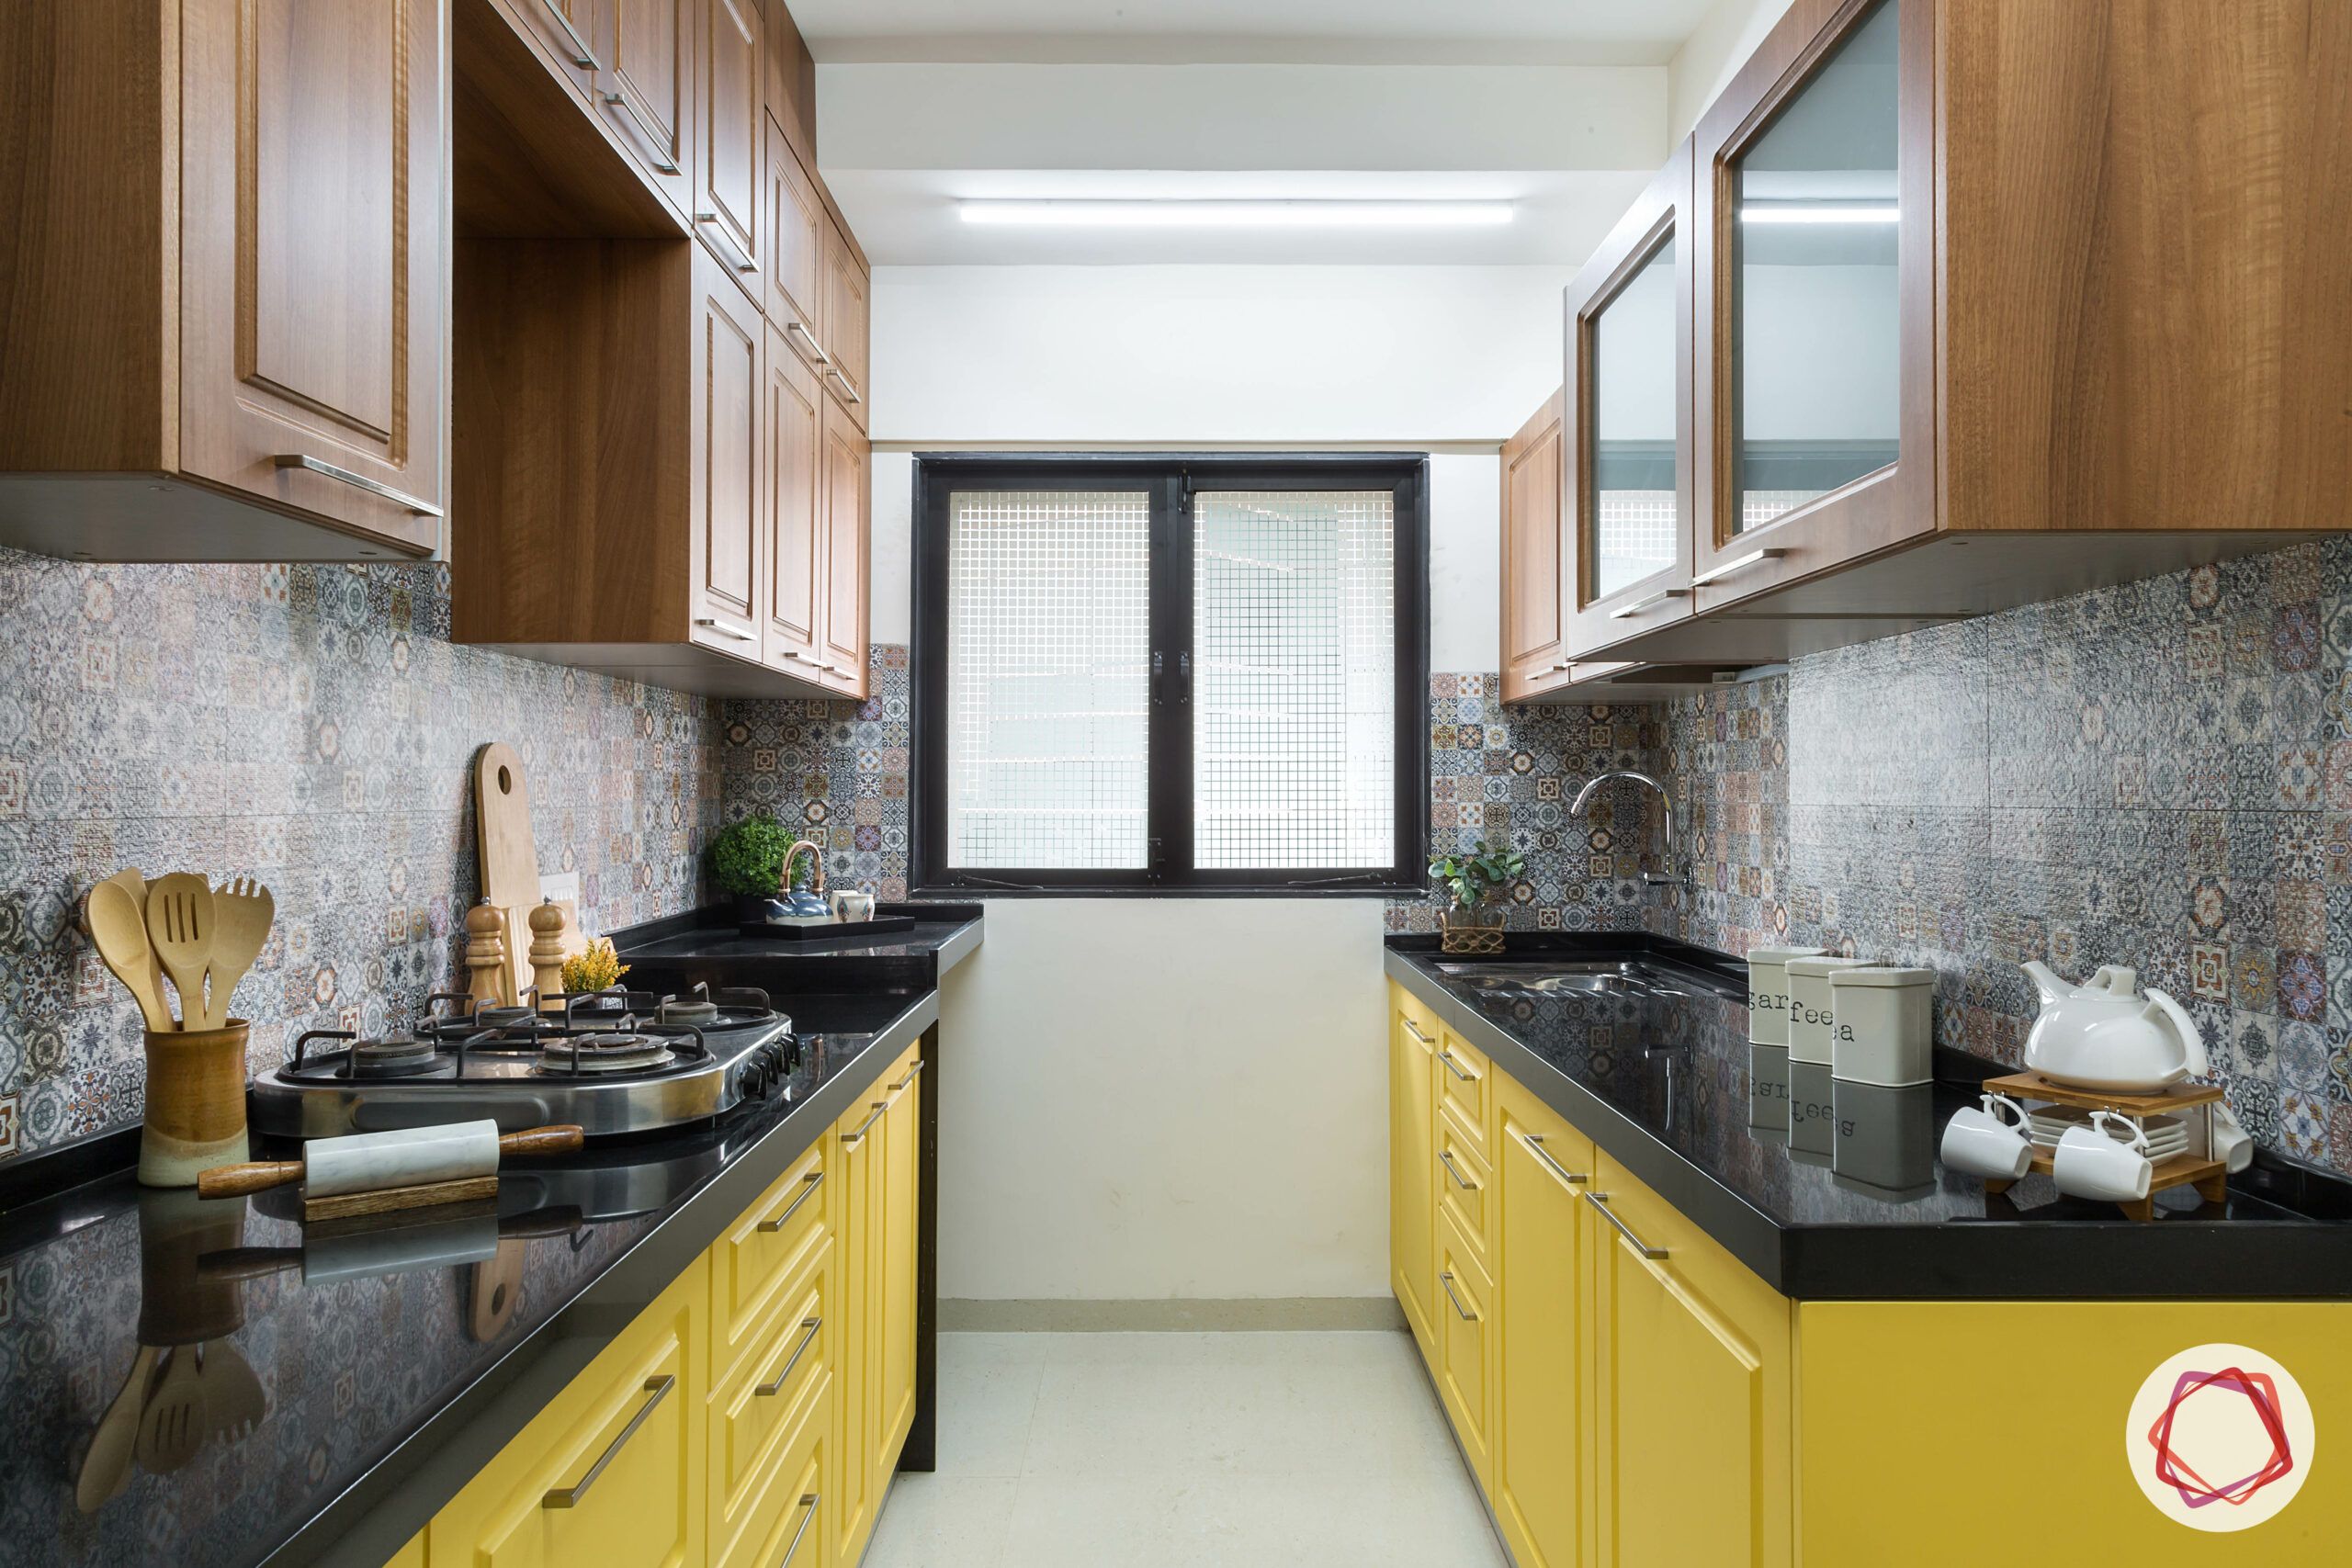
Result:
[[1172, 478]]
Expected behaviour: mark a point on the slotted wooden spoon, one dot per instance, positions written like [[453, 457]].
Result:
[[179, 922], [240, 915]]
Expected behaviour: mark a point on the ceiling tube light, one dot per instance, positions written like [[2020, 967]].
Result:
[[1819, 212], [1276, 214]]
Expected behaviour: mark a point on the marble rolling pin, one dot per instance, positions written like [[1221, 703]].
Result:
[[394, 1170]]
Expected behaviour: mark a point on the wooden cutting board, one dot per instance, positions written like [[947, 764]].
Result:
[[510, 858]]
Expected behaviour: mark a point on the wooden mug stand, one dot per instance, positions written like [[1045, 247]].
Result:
[[2188, 1168]]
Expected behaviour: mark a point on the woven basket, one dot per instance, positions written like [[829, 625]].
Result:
[[1466, 933]]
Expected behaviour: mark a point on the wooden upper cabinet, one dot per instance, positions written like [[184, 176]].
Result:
[[847, 501], [730, 135], [1626, 495], [575, 33], [792, 455], [728, 503], [846, 326], [1533, 659], [797, 227], [647, 90]]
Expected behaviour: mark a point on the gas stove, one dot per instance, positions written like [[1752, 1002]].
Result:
[[613, 1061]]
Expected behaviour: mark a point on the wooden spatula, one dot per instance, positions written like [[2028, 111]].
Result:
[[179, 922], [240, 915], [119, 931]]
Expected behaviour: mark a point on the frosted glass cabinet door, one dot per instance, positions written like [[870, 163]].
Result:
[[1636, 514]]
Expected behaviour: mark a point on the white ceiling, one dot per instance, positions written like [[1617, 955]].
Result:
[[1338, 32]]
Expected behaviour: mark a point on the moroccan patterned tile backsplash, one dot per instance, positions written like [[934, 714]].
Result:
[[837, 769], [2158, 774], [312, 726]]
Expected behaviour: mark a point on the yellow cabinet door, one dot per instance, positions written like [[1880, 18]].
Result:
[[610, 1470], [1542, 1242], [768, 1398], [1466, 1348], [896, 1245], [1412, 1118], [1690, 1371], [855, 1161], [409, 1556]]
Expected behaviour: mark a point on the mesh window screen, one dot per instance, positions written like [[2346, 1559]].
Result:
[[1049, 610], [1294, 694]]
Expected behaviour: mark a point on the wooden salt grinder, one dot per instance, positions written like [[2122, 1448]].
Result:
[[547, 953], [486, 955]]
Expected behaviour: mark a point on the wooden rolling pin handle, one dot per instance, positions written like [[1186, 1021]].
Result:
[[557, 1140], [236, 1180]]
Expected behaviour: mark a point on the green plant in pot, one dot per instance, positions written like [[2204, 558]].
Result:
[[746, 861], [1476, 881]]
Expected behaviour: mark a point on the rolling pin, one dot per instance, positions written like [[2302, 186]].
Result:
[[409, 1156]]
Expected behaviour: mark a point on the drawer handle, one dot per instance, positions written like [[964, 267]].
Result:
[[1446, 1279], [912, 1073], [1737, 564], [736, 259], [817, 353], [570, 1496], [1445, 1159], [875, 1115], [808, 1512], [663, 162], [738, 633], [582, 55], [767, 1390], [1456, 1068], [1646, 602], [1535, 1141], [808, 1185], [1600, 1201], [849, 392], [1413, 1031], [401, 499]]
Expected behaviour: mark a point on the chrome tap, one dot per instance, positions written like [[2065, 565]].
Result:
[[1666, 877]]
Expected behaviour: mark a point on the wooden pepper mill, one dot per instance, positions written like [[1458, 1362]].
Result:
[[486, 955], [547, 953]]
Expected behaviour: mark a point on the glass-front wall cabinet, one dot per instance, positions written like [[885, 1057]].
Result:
[[1815, 305], [1633, 515]]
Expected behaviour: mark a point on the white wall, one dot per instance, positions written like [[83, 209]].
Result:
[[1711, 56], [1147, 1100]]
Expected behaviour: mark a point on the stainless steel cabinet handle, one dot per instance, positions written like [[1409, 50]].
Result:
[[1564, 664], [1415, 1032], [872, 1117], [357, 481], [1534, 1144], [776, 1386], [1600, 1201], [1446, 1279], [738, 261], [582, 55], [808, 1512], [816, 350], [848, 392], [1736, 563], [1445, 1159], [1455, 1067], [1646, 602], [645, 128], [914, 1073], [570, 1496], [738, 633], [808, 1185]]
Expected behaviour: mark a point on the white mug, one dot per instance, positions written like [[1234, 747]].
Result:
[[2092, 1162], [2232, 1144], [1981, 1143]]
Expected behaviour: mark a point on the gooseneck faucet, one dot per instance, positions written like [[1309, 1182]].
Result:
[[1584, 797]]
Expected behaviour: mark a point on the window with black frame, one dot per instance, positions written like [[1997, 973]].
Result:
[[1171, 673]]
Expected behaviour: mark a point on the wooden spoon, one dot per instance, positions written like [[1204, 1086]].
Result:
[[240, 915], [106, 1469], [179, 922], [119, 932]]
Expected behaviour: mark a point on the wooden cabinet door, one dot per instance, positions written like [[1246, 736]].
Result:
[[1693, 1423], [1534, 612], [314, 264], [847, 552], [647, 90], [573, 34], [1543, 1331], [797, 227], [1412, 1122], [857, 1165], [730, 134], [1626, 522], [792, 453], [727, 506], [896, 1239], [846, 328]]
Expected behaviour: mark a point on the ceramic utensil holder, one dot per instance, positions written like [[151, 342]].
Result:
[[1882, 1025], [195, 1104]]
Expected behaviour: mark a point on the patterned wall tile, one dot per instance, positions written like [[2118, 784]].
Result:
[[840, 771]]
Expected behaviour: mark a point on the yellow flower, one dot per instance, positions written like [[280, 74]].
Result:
[[596, 968]]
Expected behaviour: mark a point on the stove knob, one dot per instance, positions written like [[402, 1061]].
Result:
[[752, 1081]]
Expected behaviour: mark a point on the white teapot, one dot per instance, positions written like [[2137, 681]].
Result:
[[2103, 1034]]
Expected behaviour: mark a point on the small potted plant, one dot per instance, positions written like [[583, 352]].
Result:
[[1475, 879], [747, 861]]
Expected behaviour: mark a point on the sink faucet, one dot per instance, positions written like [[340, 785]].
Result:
[[1667, 878]]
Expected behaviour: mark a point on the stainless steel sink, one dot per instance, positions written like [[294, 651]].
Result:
[[1592, 977]]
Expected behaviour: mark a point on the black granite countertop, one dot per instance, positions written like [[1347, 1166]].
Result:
[[354, 1383], [1832, 1190], [708, 946]]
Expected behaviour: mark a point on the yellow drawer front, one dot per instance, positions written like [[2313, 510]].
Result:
[[751, 1412], [609, 1472], [1463, 1377], [785, 1520], [1465, 1086], [1415, 1012], [767, 1248], [1463, 1184]]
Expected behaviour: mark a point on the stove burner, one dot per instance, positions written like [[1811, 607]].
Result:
[[393, 1057], [737, 1007], [498, 1017], [606, 1054]]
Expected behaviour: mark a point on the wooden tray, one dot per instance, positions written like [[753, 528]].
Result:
[[880, 925], [2209, 1176]]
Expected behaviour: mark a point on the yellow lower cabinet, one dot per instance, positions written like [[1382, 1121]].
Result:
[[1929, 1428], [1412, 1115], [897, 1241], [850, 1505], [610, 1472], [766, 1248], [1693, 1425], [409, 1556], [1465, 1372], [1542, 1243], [763, 1404]]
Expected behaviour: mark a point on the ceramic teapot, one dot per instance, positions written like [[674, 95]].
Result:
[[2104, 1034]]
